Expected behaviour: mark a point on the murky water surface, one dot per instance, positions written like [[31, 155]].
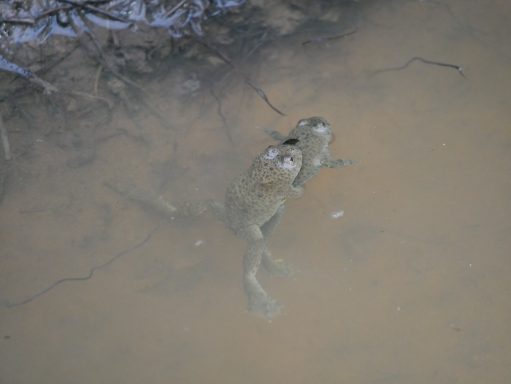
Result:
[[411, 285]]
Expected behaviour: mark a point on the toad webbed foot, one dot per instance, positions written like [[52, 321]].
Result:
[[263, 305]]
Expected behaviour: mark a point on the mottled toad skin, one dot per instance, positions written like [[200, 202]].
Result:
[[314, 134], [255, 196], [253, 205]]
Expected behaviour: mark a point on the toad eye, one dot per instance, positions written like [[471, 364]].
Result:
[[288, 162], [271, 153], [321, 128], [302, 123]]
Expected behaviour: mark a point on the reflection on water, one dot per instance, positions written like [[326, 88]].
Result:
[[411, 284]]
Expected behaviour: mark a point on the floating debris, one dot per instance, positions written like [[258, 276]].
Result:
[[198, 243], [337, 214]]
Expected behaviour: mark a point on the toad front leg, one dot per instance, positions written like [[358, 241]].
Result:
[[258, 300], [336, 163], [275, 135]]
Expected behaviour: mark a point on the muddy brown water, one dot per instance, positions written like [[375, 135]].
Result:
[[411, 285]]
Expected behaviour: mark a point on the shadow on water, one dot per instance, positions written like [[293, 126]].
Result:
[[402, 260]]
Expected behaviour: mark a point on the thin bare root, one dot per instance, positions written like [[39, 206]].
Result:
[[108, 102], [425, 61], [81, 278], [322, 39], [245, 77], [5, 140]]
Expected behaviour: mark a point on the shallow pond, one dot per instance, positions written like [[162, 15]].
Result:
[[410, 284]]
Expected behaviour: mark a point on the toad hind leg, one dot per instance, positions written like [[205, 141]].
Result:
[[162, 206], [276, 267], [258, 300]]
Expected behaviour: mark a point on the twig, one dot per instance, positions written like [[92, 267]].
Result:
[[96, 80], [53, 63], [22, 21], [221, 114], [32, 21], [95, 97], [8, 66], [425, 61], [52, 11], [328, 38], [174, 9], [93, 9], [121, 77], [48, 88], [5, 140], [81, 278], [247, 80]]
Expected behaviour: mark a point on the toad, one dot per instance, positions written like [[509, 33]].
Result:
[[313, 136]]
